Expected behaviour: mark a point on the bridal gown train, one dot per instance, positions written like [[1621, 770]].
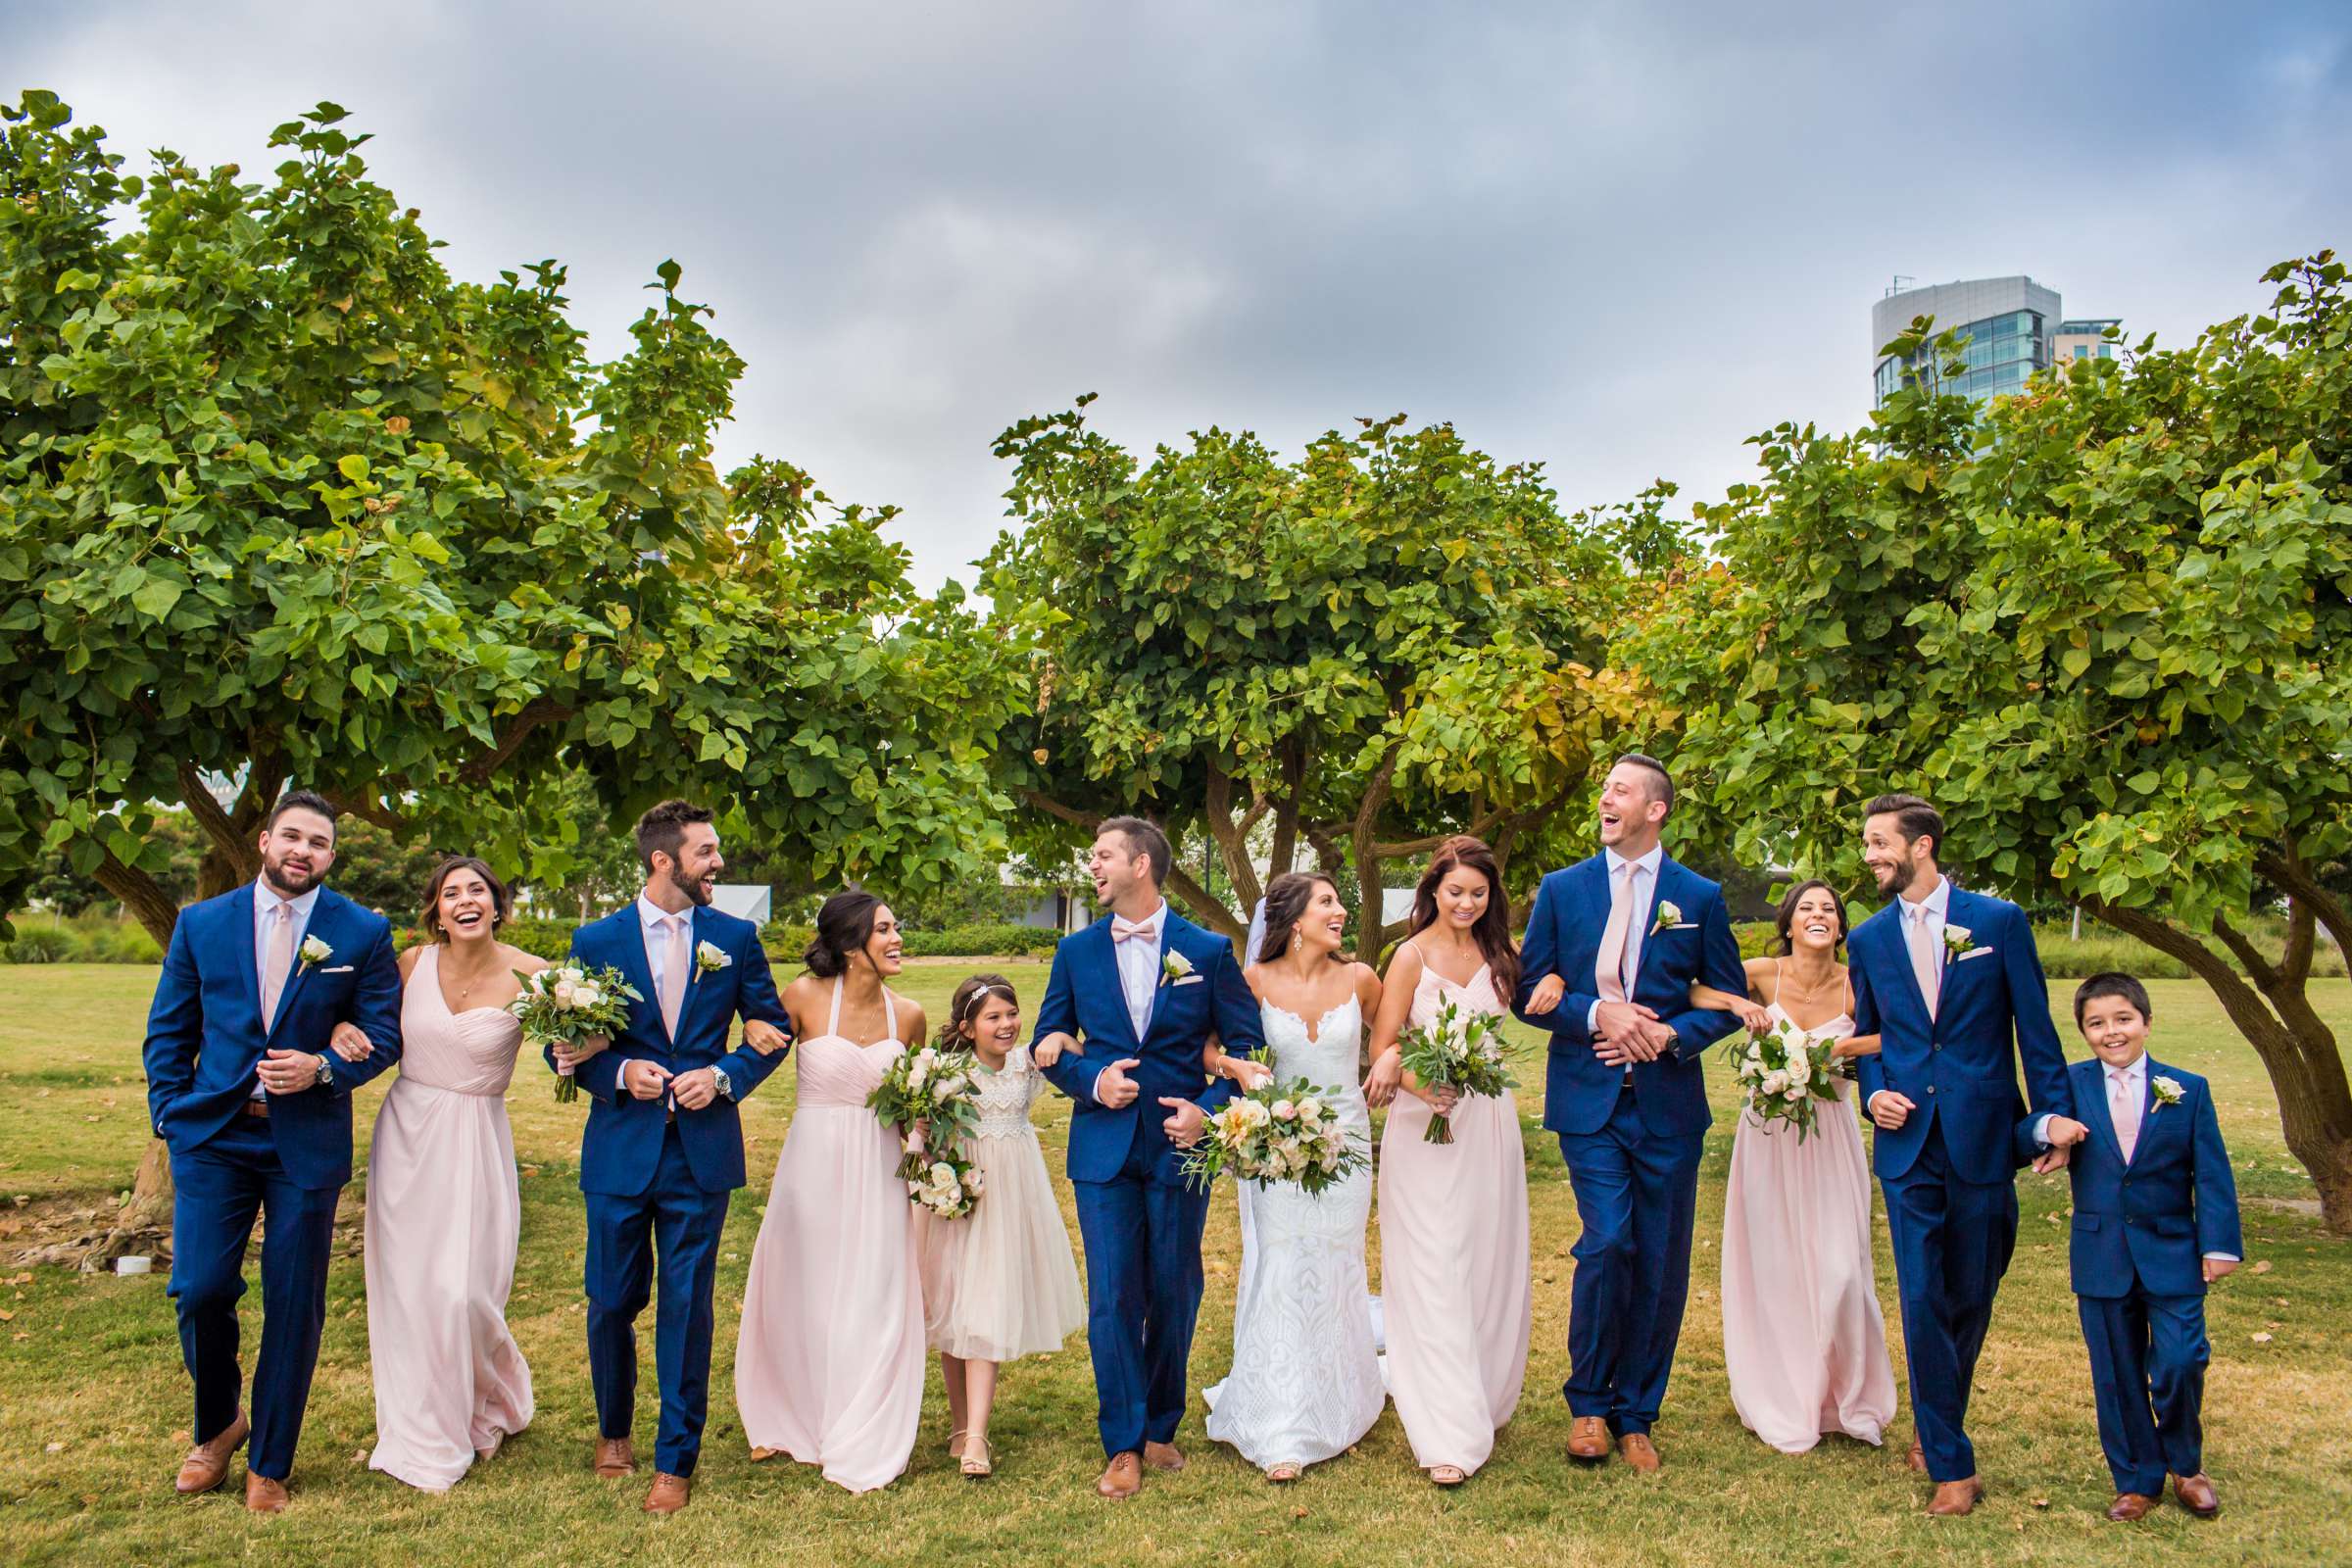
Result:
[[1306, 1380]]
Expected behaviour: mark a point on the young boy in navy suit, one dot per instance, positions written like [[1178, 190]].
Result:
[[2155, 1223]]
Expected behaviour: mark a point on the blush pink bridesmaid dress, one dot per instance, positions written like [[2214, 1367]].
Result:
[[1803, 1340], [444, 1216], [829, 1359], [1454, 1259]]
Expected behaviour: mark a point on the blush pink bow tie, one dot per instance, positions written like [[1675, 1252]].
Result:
[[1123, 930]]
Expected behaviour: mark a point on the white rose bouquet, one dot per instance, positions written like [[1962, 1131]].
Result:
[[1459, 1048], [932, 1096], [1284, 1131], [1787, 1073], [567, 1004]]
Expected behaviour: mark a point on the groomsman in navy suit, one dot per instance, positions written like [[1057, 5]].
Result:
[[2155, 1223], [1950, 983], [257, 1114], [1613, 946], [664, 1146], [1144, 988]]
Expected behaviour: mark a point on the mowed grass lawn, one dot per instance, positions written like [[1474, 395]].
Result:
[[94, 1406]]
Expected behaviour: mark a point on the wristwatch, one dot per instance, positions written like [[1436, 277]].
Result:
[[725, 1084], [327, 1070]]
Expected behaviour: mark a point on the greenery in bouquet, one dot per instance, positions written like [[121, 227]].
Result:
[[1787, 1074], [1457, 1049], [566, 1004], [931, 1096], [1286, 1130]]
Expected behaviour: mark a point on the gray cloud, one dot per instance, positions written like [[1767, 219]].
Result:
[[1616, 241]]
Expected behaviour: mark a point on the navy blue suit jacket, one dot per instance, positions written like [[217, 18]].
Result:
[[1563, 938], [1083, 998], [2155, 1218], [623, 1142], [205, 1036], [1960, 1067]]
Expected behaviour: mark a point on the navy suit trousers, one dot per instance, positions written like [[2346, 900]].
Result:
[[675, 1219], [218, 1187]]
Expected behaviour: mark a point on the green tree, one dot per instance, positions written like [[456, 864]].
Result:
[[281, 501], [1387, 641], [2106, 625]]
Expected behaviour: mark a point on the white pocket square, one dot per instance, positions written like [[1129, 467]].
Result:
[[1684, 925], [340, 969], [1185, 980], [1973, 952]]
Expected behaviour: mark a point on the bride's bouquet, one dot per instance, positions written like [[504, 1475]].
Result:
[[1786, 1072], [566, 1004], [1282, 1131], [932, 1096], [1457, 1047]]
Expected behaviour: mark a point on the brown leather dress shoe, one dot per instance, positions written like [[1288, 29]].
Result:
[[1589, 1439], [2198, 1495], [1956, 1497], [207, 1463], [1917, 1458], [668, 1492], [615, 1457], [265, 1495], [2129, 1505], [1163, 1456], [1635, 1448], [1122, 1478]]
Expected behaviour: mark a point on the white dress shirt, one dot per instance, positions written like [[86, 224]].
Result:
[[266, 900], [1137, 959], [2136, 1086], [1637, 927]]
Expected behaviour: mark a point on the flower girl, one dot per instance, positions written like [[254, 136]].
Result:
[[1000, 1283]]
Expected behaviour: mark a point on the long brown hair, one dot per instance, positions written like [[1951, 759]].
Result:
[[1493, 929], [502, 901], [964, 1006], [1286, 899]]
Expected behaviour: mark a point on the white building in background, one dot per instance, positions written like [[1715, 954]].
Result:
[[745, 901], [2014, 326]]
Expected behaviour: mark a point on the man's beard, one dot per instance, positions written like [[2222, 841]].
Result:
[[1903, 874], [691, 887], [293, 884]]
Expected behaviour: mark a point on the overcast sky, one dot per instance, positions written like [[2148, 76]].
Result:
[[1586, 234]]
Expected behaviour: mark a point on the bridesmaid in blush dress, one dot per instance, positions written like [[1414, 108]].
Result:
[[444, 1212], [829, 1359], [1454, 1236], [1803, 1341]]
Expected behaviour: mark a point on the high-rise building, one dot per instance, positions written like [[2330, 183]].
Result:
[[2014, 327]]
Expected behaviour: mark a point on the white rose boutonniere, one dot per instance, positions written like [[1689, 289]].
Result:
[[2167, 1090], [1669, 916], [1957, 939], [1173, 966], [710, 957], [314, 952]]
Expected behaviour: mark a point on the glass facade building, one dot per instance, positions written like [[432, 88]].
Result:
[[2014, 326]]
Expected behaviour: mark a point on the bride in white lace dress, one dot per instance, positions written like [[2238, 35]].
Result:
[[1306, 1380]]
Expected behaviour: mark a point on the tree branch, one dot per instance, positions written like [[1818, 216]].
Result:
[[2248, 955], [1232, 842], [1206, 910], [227, 838], [538, 712], [141, 895], [2288, 873]]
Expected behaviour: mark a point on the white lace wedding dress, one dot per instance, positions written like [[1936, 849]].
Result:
[[1306, 1380]]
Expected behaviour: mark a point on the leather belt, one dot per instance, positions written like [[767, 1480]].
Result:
[[257, 1107]]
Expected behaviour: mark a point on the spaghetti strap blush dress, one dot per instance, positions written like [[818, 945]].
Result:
[[829, 1359], [1454, 1259]]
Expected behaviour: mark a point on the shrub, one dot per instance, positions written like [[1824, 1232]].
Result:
[[785, 941], [44, 943]]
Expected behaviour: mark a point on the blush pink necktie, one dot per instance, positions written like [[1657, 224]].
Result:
[[279, 963], [1608, 974], [1923, 967], [673, 975], [2123, 1107]]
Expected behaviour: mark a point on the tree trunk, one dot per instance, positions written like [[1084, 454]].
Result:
[[141, 896]]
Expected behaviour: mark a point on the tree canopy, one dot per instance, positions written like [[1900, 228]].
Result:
[[2106, 625], [282, 500], [1390, 639]]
